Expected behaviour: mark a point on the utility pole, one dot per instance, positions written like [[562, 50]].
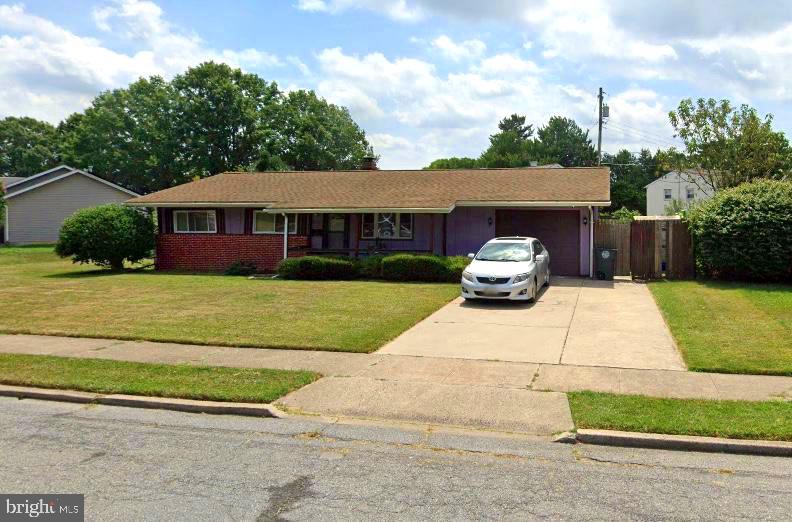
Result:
[[599, 132]]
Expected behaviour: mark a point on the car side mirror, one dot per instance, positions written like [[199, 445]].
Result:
[[539, 257], [471, 256]]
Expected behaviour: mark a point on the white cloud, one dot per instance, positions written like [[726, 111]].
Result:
[[459, 51], [397, 9], [65, 71], [507, 64]]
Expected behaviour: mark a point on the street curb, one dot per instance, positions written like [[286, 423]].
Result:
[[684, 443], [139, 401]]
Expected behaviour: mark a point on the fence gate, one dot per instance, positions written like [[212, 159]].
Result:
[[614, 234], [661, 248]]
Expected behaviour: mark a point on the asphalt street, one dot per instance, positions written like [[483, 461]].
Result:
[[154, 465]]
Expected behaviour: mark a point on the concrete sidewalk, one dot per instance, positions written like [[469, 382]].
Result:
[[465, 372]]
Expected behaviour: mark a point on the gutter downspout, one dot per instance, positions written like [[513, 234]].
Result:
[[591, 242], [285, 235]]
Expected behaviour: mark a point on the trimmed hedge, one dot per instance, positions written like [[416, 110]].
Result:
[[241, 268], [745, 232], [317, 268], [397, 267], [406, 267]]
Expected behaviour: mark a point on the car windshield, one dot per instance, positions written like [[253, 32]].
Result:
[[505, 252]]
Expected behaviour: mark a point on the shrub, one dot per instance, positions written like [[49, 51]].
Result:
[[107, 236], [241, 268], [317, 267], [744, 232], [370, 267], [407, 267], [623, 215], [456, 265]]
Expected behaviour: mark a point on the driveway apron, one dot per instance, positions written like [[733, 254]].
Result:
[[574, 321]]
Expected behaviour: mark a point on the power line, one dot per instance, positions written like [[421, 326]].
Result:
[[643, 133]]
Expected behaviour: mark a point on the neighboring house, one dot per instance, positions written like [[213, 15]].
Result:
[[674, 188], [211, 223], [36, 206]]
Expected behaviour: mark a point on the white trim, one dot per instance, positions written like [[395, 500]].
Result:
[[199, 204], [66, 175], [285, 233], [175, 222], [531, 204], [271, 232], [34, 176], [368, 210]]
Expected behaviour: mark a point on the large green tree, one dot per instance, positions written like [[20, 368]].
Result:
[[453, 163], [630, 173], [317, 135], [213, 118], [130, 136], [27, 146], [727, 146], [225, 118], [562, 141]]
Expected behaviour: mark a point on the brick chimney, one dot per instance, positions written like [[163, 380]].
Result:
[[369, 163]]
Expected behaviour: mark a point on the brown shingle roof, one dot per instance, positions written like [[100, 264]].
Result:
[[390, 189]]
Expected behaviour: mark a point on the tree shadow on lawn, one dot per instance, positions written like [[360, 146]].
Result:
[[745, 285]]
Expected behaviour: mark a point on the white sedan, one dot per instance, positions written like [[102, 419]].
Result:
[[507, 268]]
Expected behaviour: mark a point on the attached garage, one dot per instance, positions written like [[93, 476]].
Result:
[[558, 230]]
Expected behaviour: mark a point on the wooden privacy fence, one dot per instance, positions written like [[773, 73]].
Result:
[[648, 248], [614, 234]]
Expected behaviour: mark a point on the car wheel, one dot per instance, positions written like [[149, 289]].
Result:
[[532, 299], [547, 278]]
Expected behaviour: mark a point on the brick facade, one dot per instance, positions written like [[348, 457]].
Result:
[[216, 252]]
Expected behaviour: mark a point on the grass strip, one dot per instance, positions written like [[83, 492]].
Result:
[[767, 420], [155, 380]]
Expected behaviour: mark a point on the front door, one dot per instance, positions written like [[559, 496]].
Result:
[[336, 231]]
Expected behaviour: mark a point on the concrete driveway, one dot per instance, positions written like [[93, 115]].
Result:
[[575, 321]]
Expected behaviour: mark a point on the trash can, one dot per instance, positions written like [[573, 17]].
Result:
[[605, 263]]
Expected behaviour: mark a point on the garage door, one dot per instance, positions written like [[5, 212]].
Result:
[[558, 230]]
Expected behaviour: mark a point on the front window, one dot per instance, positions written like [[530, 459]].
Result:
[[266, 223], [505, 252], [667, 194], [195, 221], [387, 225], [691, 193]]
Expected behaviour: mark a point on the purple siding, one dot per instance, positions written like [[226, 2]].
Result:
[[422, 232], [468, 229]]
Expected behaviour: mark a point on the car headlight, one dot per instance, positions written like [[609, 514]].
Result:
[[470, 277], [521, 277]]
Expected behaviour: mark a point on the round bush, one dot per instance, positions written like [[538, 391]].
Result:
[[745, 232], [406, 267], [107, 236], [317, 268]]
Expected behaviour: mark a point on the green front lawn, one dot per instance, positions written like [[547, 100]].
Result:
[[42, 294], [156, 380], [771, 420], [729, 327]]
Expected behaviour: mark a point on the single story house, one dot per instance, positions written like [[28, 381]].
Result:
[[674, 188], [265, 216], [36, 206]]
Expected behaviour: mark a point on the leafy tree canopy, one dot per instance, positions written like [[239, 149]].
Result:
[[27, 146], [630, 173], [561, 141], [213, 118], [726, 145]]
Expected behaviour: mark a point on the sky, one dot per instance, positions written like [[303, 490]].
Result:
[[424, 78]]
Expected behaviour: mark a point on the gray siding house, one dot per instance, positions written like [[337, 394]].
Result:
[[36, 206]]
